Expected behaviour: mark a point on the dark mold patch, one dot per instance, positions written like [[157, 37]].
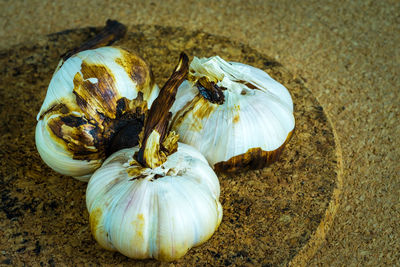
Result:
[[73, 121], [210, 91], [127, 136]]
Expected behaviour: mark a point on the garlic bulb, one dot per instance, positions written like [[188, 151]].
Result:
[[154, 213], [236, 115], [159, 200], [93, 96]]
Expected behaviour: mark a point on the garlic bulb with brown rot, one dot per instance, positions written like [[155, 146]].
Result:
[[94, 98], [159, 200], [236, 115]]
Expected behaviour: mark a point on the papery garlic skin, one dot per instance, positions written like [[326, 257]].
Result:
[[154, 213], [247, 128], [91, 96]]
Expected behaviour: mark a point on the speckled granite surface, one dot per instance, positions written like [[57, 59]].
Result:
[[269, 214], [346, 52]]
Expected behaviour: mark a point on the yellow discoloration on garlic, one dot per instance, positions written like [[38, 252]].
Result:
[[203, 109], [138, 104], [152, 154], [166, 255], [97, 229], [194, 112], [94, 220], [136, 171], [236, 110], [236, 118], [171, 142], [139, 225]]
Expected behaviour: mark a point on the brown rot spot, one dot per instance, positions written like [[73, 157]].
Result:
[[210, 91], [138, 70], [98, 94], [254, 158], [203, 109], [249, 85], [193, 113], [73, 121], [56, 108], [157, 176], [78, 135], [170, 143]]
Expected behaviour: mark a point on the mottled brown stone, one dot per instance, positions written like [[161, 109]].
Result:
[[270, 215]]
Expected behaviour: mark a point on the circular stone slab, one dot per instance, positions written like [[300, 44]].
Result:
[[273, 216]]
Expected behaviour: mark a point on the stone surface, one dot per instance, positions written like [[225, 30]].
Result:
[[345, 51], [269, 214]]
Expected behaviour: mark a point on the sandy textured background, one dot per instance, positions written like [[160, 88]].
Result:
[[346, 51]]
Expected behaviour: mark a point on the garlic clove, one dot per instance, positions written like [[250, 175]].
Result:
[[235, 114], [158, 213], [92, 96]]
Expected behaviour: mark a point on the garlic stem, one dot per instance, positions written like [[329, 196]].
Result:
[[112, 32], [152, 152]]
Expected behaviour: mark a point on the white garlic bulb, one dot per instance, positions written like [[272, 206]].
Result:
[[92, 96], [236, 115], [159, 200], [154, 213]]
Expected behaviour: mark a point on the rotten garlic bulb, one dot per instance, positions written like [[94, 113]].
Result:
[[236, 115], [159, 200], [95, 104], [154, 212]]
